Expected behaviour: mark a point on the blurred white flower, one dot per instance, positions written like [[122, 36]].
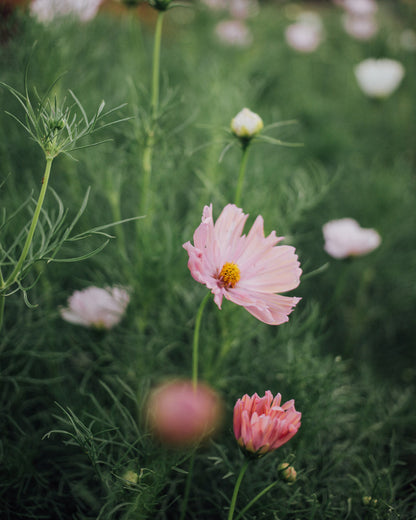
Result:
[[408, 40], [234, 32], [360, 27], [246, 124], [96, 307], [306, 33], [215, 5], [243, 8], [360, 7], [379, 77], [47, 10], [345, 237]]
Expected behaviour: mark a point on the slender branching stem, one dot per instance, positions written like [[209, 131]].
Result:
[[241, 174], [195, 348], [236, 488], [16, 271]]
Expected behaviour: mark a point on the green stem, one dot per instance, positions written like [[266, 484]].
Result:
[[196, 340], [148, 151], [247, 507], [187, 486], [236, 488], [14, 275], [2, 301], [240, 182], [156, 64]]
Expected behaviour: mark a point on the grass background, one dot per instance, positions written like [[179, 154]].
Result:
[[347, 354]]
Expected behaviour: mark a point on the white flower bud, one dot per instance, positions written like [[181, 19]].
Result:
[[246, 124]]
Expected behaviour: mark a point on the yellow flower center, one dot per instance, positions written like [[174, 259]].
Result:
[[230, 274]]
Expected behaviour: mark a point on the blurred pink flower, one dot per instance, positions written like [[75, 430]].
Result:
[[96, 307], [234, 32], [262, 425], [180, 414], [306, 34], [360, 27], [247, 270], [47, 10], [345, 237]]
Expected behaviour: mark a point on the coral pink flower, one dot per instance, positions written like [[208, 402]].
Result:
[[247, 270], [262, 425], [180, 414], [96, 307], [345, 237]]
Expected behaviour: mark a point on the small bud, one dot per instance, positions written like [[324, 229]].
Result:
[[130, 477], [287, 472], [246, 124], [159, 5], [367, 500]]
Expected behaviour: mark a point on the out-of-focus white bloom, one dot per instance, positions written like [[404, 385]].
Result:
[[234, 32], [345, 237], [379, 77], [360, 27], [215, 5], [360, 7], [96, 307], [47, 10], [243, 9], [306, 33], [246, 124], [408, 40]]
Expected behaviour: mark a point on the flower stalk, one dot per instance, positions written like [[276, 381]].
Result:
[[241, 174], [195, 347], [237, 488], [45, 179], [150, 141]]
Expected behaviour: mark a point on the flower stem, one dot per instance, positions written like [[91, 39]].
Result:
[[16, 271], [2, 301], [196, 340], [156, 64], [236, 488], [240, 182], [148, 151], [257, 497], [187, 486]]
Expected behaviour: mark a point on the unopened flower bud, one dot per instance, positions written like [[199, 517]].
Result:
[[367, 500], [246, 124], [160, 5], [287, 472], [181, 415], [130, 477]]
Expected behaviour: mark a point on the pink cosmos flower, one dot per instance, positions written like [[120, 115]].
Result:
[[180, 414], [96, 307], [47, 10], [345, 237], [262, 425], [247, 270]]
